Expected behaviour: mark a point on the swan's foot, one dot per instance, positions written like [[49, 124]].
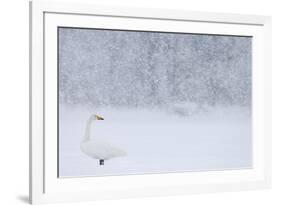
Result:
[[101, 161]]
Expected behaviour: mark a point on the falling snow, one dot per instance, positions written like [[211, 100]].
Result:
[[174, 102]]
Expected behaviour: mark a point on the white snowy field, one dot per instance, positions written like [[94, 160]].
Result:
[[156, 141]]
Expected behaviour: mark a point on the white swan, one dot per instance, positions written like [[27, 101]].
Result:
[[95, 149]]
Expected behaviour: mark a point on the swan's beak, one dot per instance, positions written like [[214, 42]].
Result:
[[99, 118]]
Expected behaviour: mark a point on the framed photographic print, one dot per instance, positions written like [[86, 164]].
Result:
[[129, 102]]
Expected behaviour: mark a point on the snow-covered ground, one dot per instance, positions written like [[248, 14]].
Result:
[[156, 141]]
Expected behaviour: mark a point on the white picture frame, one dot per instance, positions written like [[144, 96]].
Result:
[[46, 187]]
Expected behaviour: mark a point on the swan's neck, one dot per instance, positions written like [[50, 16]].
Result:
[[88, 129]]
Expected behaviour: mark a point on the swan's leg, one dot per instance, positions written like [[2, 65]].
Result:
[[101, 161]]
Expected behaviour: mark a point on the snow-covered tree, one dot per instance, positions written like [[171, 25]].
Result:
[[144, 69]]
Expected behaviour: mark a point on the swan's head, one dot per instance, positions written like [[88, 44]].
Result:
[[96, 117]]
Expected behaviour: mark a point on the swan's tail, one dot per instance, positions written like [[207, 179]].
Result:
[[115, 152]]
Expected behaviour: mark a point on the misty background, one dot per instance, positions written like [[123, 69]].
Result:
[[173, 102], [152, 69]]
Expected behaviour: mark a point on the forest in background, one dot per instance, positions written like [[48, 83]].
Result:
[[152, 69]]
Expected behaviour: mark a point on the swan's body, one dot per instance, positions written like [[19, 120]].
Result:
[[96, 149]]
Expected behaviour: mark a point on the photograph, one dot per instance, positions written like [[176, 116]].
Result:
[[145, 102]]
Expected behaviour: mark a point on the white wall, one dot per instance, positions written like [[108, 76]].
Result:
[[14, 100]]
